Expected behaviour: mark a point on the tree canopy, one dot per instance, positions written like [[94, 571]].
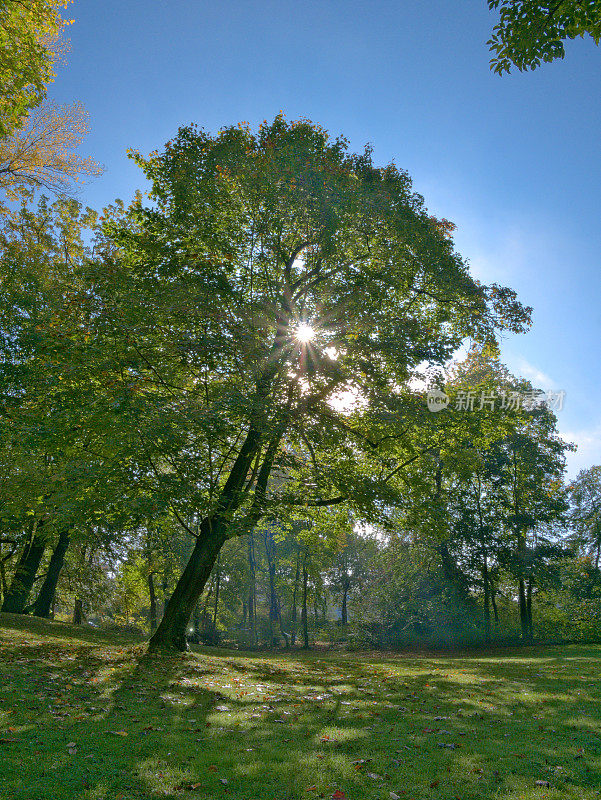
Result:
[[30, 45]]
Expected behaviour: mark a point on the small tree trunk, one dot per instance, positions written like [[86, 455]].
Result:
[[16, 597], [493, 600], [78, 615], [486, 582], [3, 585], [217, 584], [529, 608], [273, 600], [304, 614], [153, 602], [294, 613], [252, 601], [45, 599], [344, 610], [525, 628]]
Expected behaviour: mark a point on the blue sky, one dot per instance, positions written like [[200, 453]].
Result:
[[513, 161]]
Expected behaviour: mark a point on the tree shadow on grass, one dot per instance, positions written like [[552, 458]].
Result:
[[111, 727], [252, 727], [24, 625]]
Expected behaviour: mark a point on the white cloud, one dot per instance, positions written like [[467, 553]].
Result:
[[538, 378], [588, 453]]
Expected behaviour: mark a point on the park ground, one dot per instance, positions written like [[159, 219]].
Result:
[[86, 715]]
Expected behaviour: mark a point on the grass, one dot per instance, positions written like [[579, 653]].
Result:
[[88, 716]]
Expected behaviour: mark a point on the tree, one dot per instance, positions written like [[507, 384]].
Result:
[[41, 152], [30, 45], [353, 552], [274, 271], [530, 32], [585, 497]]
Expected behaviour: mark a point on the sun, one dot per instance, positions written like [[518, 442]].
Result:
[[304, 333]]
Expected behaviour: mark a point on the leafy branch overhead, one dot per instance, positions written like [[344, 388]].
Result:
[[530, 32]]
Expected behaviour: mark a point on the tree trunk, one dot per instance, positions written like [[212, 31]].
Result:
[[45, 599], [493, 600], [523, 603], [274, 611], [486, 582], [196, 622], [217, 584], [22, 582], [252, 600], [529, 608], [78, 615], [344, 611], [304, 614], [525, 628], [294, 612], [153, 602], [3, 586], [171, 632]]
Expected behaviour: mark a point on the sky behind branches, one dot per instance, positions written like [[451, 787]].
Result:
[[513, 161]]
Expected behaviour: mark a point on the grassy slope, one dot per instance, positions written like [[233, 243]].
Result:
[[85, 715]]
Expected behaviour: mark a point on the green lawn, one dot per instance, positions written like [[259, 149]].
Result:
[[87, 715]]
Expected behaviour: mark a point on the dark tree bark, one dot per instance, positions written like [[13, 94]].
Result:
[[213, 533], [153, 602], [273, 600], [304, 613], [493, 600], [294, 611], [171, 632], [521, 553], [486, 582], [217, 584], [3, 586], [523, 603], [16, 597], [45, 599], [78, 615], [522, 598], [252, 600], [485, 576], [196, 622], [529, 608], [346, 585]]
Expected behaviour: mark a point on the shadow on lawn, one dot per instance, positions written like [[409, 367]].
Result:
[[37, 626], [101, 739], [493, 734], [211, 726]]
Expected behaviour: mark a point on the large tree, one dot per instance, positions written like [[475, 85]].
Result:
[[274, 274]]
